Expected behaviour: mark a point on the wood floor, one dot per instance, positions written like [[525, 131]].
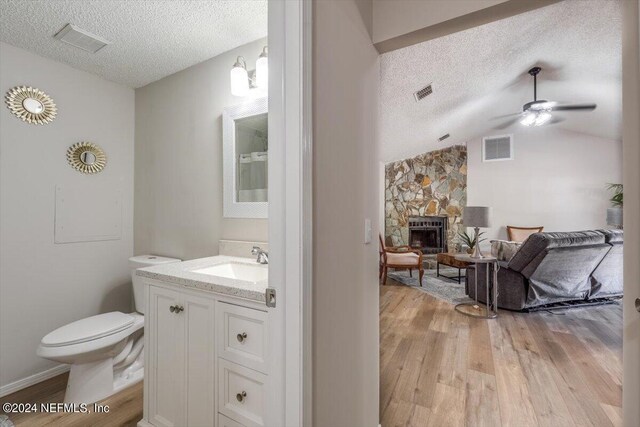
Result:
[[125, 408], [441, 368]]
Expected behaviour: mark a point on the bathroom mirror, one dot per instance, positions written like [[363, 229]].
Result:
[[245, 146]]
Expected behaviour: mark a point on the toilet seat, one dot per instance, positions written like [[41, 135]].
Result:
[[88, 329]]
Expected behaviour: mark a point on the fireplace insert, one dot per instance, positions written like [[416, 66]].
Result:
[[428, 233]]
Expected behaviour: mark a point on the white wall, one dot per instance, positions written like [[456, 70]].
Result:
[[393, 18], [45, 285], [557, 180], [345, 284], [178, 182]]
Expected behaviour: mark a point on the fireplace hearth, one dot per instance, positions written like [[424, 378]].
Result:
[[428, 233]]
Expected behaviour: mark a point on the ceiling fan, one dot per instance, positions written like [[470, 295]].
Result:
[[539, 111]]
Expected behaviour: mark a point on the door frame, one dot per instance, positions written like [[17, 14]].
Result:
[[631, 180], [290, 204]]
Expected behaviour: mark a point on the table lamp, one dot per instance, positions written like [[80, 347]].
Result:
[[477, 217]]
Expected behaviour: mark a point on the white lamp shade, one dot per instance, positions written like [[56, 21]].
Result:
[[262, 73], [239, 81], [477, 216]]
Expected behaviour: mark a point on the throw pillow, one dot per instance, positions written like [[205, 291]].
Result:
[[504, 250]]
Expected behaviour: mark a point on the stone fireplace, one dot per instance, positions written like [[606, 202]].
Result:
[[424, 199], [428, 233]]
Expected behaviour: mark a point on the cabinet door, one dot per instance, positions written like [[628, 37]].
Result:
[[199, 330], [165, 359]]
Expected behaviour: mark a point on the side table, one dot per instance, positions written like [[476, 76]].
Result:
[[490, 310]]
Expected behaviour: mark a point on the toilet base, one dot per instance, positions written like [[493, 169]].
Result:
[[94, 381], [90, 382]]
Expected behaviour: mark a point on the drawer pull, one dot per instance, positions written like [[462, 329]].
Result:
[[241, 396], [241, 337], [176, 308]]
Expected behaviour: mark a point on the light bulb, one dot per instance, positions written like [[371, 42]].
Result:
[[262, 70], [239, 78]]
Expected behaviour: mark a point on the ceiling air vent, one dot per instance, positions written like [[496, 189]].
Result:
[[443, 137], [423, 93], [495, 148], [80, 38]]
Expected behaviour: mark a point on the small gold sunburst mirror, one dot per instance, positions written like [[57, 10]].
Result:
[[86, 157], [31, 105]]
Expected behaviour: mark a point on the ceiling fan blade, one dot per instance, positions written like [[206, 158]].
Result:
[[505, 116], [574, 107], [508, 123], [555, 120]]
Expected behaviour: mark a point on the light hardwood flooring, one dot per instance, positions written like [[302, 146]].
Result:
[[125, 407], [441, 368]]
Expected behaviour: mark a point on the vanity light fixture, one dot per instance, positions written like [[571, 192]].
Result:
[[262, 70], [242, 82], [239, 78]]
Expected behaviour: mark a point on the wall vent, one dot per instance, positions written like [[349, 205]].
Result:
[[423, 93], [80, 38], [443, 137], [497, 148]]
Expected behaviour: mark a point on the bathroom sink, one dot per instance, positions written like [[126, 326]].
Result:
[[253, 273]]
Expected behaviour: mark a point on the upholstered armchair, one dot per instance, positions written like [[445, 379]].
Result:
[[520, 234], [400, 258]]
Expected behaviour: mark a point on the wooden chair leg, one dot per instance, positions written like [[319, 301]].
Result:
[[384, 275], [380, 272], [421, 274], [411, 272]]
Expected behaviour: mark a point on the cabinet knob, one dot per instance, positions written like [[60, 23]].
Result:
[[241, 337], [241, 396], [176, 308]]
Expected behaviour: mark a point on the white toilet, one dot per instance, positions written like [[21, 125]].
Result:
[[105, 351]]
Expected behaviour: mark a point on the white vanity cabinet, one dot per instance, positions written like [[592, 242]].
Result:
[[206, 359]]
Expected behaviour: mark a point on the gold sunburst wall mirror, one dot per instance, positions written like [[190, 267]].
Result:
[[31, 105], [86, 157]]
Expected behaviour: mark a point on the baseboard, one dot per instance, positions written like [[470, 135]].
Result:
[[33, 379]]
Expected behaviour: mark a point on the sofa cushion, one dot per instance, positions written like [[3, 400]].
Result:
[[408, 259], [533, 250]]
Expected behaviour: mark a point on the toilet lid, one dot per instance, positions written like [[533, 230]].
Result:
[[88, 329]]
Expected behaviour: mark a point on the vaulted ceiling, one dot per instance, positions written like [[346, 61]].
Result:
[[151, 39], [481, 73]]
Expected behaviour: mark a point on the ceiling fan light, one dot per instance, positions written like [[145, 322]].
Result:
[[529, 119], [542, 118]]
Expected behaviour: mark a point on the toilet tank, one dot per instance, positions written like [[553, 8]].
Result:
[[142, 261]]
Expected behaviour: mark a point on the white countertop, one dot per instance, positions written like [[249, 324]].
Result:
[[182, 274]]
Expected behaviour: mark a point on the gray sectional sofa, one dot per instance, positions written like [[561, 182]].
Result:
[[557, 267]]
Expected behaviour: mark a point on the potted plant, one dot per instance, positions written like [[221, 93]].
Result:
[[614, 213], [471, 240]]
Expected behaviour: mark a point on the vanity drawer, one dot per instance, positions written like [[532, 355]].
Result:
[[241, 393], [227, 422], [243, 336]]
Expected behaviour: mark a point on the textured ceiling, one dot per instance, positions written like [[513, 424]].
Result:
[[481, 73], [150, 39]]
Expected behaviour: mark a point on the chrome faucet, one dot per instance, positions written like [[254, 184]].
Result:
[[263, 257]]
